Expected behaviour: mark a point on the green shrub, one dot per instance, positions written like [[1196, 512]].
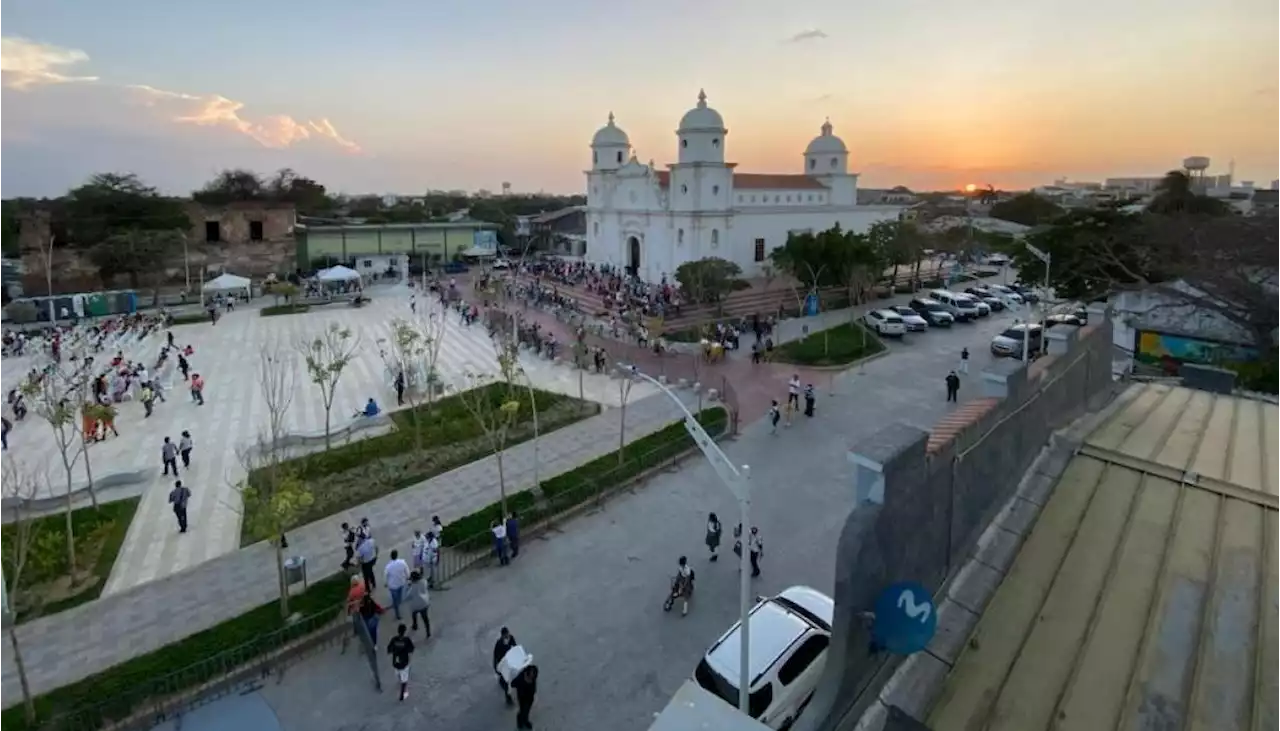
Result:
[[116, 693], [290, 309], [189, 319], [841, 345]]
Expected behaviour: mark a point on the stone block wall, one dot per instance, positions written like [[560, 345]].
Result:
[[923, 498]]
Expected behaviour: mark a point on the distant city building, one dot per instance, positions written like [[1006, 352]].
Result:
[[561, 232], [895, 196], [650, 221]]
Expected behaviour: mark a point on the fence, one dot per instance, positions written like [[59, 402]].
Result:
[[152, 702]]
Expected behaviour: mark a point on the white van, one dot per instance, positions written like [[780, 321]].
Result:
[[963, 307], [789, 637]]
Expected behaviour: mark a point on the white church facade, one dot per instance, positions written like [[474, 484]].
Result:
[[650, 221]]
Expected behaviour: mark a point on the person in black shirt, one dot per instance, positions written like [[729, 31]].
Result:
[[505, 642], [400, 648], [348, 545], [526, 685]]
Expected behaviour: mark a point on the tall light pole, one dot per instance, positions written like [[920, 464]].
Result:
[[1044, 304], [738, 482]]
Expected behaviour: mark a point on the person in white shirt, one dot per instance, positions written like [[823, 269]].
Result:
[[418, 551], [793, 393], [756, 545], [432, 555], [500, 542], [396, 573]]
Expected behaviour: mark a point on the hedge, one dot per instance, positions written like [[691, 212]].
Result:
[[590, 481], [274, 310], [840, 345], [119, 691]]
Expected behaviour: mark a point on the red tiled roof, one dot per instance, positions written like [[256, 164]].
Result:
[[959, 420], [760, 181]]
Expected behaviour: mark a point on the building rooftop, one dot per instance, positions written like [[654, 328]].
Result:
[[1145, 595], [326, 227]]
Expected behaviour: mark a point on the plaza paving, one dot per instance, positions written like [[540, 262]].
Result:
[[586, 600], [227, 355]]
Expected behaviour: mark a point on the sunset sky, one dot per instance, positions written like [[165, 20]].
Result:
[[406, 95]]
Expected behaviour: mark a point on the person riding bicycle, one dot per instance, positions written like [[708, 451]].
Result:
[[682, 585]]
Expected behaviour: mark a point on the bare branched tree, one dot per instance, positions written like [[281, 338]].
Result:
[[21, 488], [277, 385], [53, 398], [327, 355], [625, 382], [412, 353], [273, 499], [495, 415]]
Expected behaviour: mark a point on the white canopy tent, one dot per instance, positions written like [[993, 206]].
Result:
[[227, 282], [338, 274]]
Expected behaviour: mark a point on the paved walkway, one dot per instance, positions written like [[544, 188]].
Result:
[[71, 645]]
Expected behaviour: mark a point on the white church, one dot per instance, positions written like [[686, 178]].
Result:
[[650, 221]]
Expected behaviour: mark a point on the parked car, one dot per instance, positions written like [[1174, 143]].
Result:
[[987, 297], [962, 307], [914, 322], [885, 323], [998, 259], [1063, 318], [1029, 294], [933, 311], [1009, 344], [983, 308], [1006, 293], [790, 634]]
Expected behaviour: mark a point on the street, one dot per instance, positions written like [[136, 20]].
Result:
[[586, 599]]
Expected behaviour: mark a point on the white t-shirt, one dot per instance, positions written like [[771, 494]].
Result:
[[500, 531], [396, 573], [795, 386]]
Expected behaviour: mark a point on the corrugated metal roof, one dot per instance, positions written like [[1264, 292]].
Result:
[[1140, 600]]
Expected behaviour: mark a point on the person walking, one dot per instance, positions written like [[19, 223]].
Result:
[[399, 388], [418, 600], [505, 642], [438, 528], [714, 529], [367, 555], [793, 393], [185, 444], [431, 556], [197, 389], [148, 399], [169, 457], [513, 534], [418, 551], [499, 530], [348, 545], [774, 417], [755, 544], [5, 426], [809, 400], [526, 687], [184, 367], [179, 496], [396, 573], [400, 648], [953, 387], [370, 614], [964, 360]]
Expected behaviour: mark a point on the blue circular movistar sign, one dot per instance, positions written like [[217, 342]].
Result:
[[906, 618]]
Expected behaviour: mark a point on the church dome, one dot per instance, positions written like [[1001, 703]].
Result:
[[610, 135], [702, 117], [826, 142]]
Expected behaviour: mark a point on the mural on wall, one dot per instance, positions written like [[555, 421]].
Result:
[[1169, 351]]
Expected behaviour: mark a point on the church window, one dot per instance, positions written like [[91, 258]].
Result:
[[777, 199], [680, 236], [788, 199], [813, 163], [595, 157], [715, 190], [684, 143], [753, 199], [619, 155], [715, 142], [810, 199], [759, 250], [684, 189], [715, 238], [833, 162], [595, 228], [739, 199]]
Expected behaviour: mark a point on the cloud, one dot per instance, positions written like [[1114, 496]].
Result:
[[813, 34], [823, 98], [28, 64], [25, 63], [275, 131]]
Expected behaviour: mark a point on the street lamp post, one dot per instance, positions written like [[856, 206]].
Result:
[[738, 482]]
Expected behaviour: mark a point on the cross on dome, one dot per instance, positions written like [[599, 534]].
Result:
[[702, 98], [610, 119], [826, 128]]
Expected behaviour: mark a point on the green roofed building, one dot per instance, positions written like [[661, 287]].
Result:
[[365, 247]]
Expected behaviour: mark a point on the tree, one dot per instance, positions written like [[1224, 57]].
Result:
[[231, 186], [326, 356], [1027, 209], [305, 194], [20, 534], [624, 394], [135, 253], [112, 203], [1176, 195], [707, 280], [273, 504], [495, 409], [414, 351], [52, 398]]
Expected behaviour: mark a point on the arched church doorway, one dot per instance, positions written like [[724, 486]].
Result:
[[633, 256]]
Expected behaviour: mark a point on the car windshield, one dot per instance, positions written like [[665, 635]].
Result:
[[1013, 333], [891, 317]]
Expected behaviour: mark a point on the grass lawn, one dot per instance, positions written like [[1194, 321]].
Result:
[[840, 345], [354, 473], [47, 584], [274, 310]]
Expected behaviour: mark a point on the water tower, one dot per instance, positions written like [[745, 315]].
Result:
[[1195, 167]]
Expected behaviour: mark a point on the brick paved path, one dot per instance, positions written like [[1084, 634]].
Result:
[[71, 645]]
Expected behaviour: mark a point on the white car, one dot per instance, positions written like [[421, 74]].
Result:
[[502, 264], [789, 637], [1010, 297], [912, 319], [885, 323], [997, 260]]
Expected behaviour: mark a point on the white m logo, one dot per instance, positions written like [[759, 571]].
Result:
[[907, 603]]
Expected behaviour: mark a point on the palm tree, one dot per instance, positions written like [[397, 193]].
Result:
[[1177, 194]]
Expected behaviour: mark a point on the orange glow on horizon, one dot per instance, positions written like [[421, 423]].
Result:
[[970, 188]]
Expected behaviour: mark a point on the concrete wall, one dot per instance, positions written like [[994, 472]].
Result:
[[923, 498]]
